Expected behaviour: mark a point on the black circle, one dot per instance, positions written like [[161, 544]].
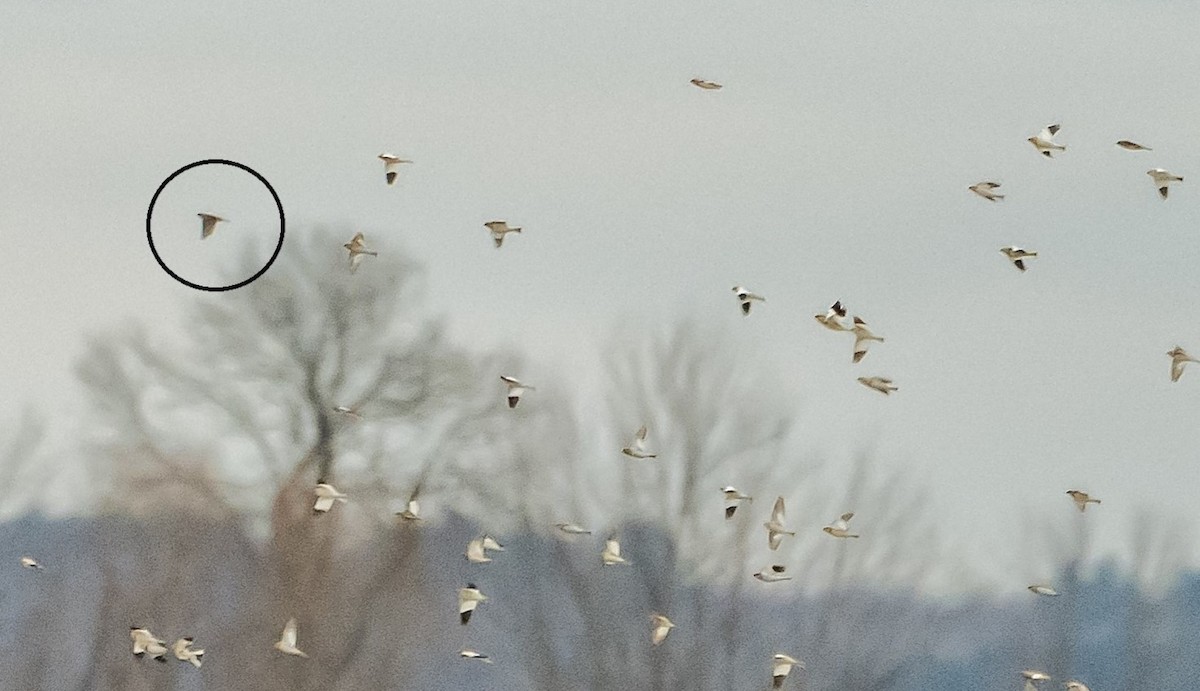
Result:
[[197, 286]]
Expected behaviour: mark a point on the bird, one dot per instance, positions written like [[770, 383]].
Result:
[[1132, 146], [1017, 255], [834, 319], [30, 563], [515, 389], [734, 495], [1044, 141], [772, 574], [572, 529], [1046, 590], [468, 599], [475, 552], [984, 189], [775, 527], [411, 512], [637, 447], [841, 527], [745, 297], [1179, 358], [355, 246], [498, 229], [781, 665], [287, 640], [348, 412], [862, 336], [472, 655], [1081, 499], [611, 554], [208, 224], [184, 651], [489, 542], [145, 642], [710, 86], [327, 494], [881, 384], [662, 627], [1075, 686], [1162, 180], [1032, 678], [391, 164]]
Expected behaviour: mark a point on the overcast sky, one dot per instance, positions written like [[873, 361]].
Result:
[[833, 165]]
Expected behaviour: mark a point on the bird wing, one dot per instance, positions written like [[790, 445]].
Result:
[[778, 511], [641, 436], [612, 547], [773, 539], [1051, 130], [288, 637]]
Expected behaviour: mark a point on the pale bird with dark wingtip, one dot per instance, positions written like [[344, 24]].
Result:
[[391, 166], [660, 627], [881, 384], [1132, 146], [1081, 499], [186, 653], [145, 642], [776, 525], [1044, 141], [208, 224], [834, 318], [515, 389], [498, 230], [862, 338], [1162, 180], [326, 494], [733, 496], [746, 298], [987, 191], [637, 447], [1179, 358], [357, 249], [468, 599], [287, 640], [781, 666], [1017, 255], [772, 574], [841, 527]]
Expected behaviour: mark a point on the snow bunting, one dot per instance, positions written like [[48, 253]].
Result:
[[637, 447], [184, 651], [355, 246], [733, 495], [772, 574], [1017, 255], [711, 86], [1179, 358], [1162, 180], [984, 189], [572, 529], [781, 665], [472, 655], [835, 318], [1044, 141], [1132, 146], [327, 494], [145, 642], [208, 224], [1081, 499], [1033, 675], [611, 554], [475, 553], [347, 411], [745, 297], [468, 599], [498, 229], [841, 527], [661, 627], [30, 563], [515, 389], [411, 512], [391, 165], [1075, 686], [1043, 590], [775, 527], [287, 640], [862, 336], [881, 384]]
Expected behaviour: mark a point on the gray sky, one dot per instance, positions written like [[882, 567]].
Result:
[[834, 164]]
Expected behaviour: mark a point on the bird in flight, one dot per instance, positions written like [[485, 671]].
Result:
[[472, 655], [734, 496], [391, 166], [1032, 677], [985, 190], [637, 447], [706, 85], [145, 642], [515, 389], [412, 511], [572, 529], [1179, 358], [772, 574], [1162, 180], [30, 563], [489, 542], [745, 297], [841, 527], [661, 627], [1075, 686], [468, 599], [1039, 589], [357, 251], [184, 651], [775, 526], [781, 666], [1132, 146], [498, 230], [862, 337], [349, 412], [476, 553], [881, 384], [1044, 141], [1081, 499], [327, 494], [1017, 255], [835, 318], [208, 224], [287, 640], [611, 554]]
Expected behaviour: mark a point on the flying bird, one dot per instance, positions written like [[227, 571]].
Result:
[[637, 447], [287, 640], [862, 337], [30, 563], [391, 166], [355, 246], [881, 384], [772, 574], [1032, 678], [985, 190], [611, 554], [781, 665], [208, 224], [745, 297], [733, 495], [775, 527], [661, 627], [411, 512], [327, 494], [515, 389], [1017, 255], [572, 529], [1132, 146], [475, 552], [472, 655], [498, 229], [1162, 180], [834, 319], [1081, 499], [184, 651], [489, 542], [710, 86], [1075, 686], [468, 599], [1179, 358], [348, 412], [145, 642], [1046, 590], [841, 527], [1044, 141]]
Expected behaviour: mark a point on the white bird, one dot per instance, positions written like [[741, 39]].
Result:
[[745, 297], [835, 318], [862, 336], [475, 553], [411, 512], [347, 411], [841, 527], [1044, 141], [775, 527], [1132, 146], [1032, 678], [881, 384], [145, 642], [1081, 499], [1179, 358], [498, 229], [184, 651], [287, 640], [1162, 180], [572, 529], [733, 495], [357, 251], [1043, 590], [611, 554], [468, 599], [985, 190], [1017, 255], [772, 574], [327, 494], [661, 627], [489, 542], [30, 563], [472, 655], [515, 389], [391, 165], [1075, 686], [637, 447], [208, 224], [781, 666], [710, 86]]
